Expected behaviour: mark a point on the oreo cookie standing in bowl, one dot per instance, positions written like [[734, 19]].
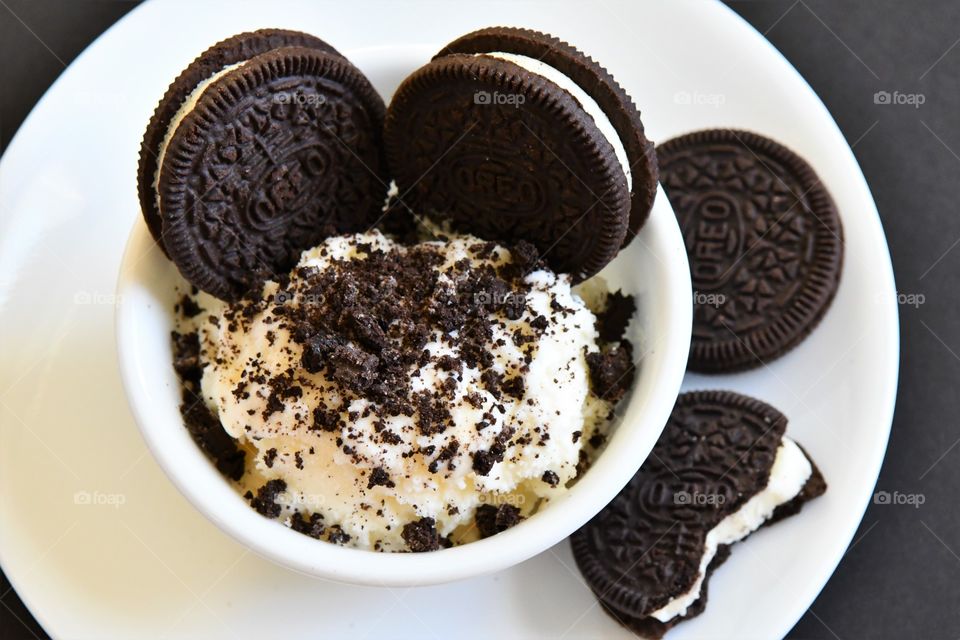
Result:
[[764, 241], [721, 469], [268, 143], [220, 56], [512, 134]]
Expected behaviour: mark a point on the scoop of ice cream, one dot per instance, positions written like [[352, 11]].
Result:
[[395, 389]]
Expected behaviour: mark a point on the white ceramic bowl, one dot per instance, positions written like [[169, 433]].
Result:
[[653, 267]]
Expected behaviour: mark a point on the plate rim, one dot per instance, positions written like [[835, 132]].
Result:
[[892, 344]]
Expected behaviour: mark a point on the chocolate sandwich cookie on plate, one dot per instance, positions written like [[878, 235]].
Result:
[[266, 144], [764, 241], [721, 469], [512, 134]]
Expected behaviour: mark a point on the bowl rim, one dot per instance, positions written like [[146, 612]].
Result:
[[613, 468]]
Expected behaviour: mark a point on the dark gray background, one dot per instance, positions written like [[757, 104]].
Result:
[[901, 576]]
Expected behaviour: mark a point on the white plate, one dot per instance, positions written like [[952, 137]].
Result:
[[99, 544]]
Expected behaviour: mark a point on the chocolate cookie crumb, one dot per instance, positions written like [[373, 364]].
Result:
[[612, 322], [597, 440], [380, 477], [312, 527], [491, 520], [421, 535], [338, 535], [187, 307], [551, 478], [186, 356], [270, 457], [612, 371], [265, 500], [483, 461], [202, 425]]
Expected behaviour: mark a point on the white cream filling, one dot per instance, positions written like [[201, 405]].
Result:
[[589, 104], [791, 470], [189, 103]]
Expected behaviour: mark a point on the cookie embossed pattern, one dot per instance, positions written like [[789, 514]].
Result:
[[262, 158], [765, 245], [721, 469], [564, 164]]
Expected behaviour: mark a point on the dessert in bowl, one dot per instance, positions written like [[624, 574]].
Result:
[[655, 271], [449, 387]]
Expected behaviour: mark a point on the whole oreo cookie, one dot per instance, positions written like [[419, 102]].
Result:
[[648, 554], [238, 48], [764, 241], [513, 135], [266, 158]]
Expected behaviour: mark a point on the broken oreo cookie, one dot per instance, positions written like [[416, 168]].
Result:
[[721, 469], [764, 241], [265, 145], [511, 134]]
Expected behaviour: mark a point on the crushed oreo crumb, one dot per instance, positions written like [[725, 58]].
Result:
[[269, 457], [202, 425], [613, 320], [612, 371], [421, 535], [380, 477], [312, 526], [338, 535], [491, 520], [551, 478], [265, 502]]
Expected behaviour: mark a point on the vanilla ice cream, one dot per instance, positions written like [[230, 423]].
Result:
[[391, 386]]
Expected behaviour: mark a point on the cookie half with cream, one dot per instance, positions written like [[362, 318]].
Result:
[[512, 134], [266, 144], [722, 469]]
